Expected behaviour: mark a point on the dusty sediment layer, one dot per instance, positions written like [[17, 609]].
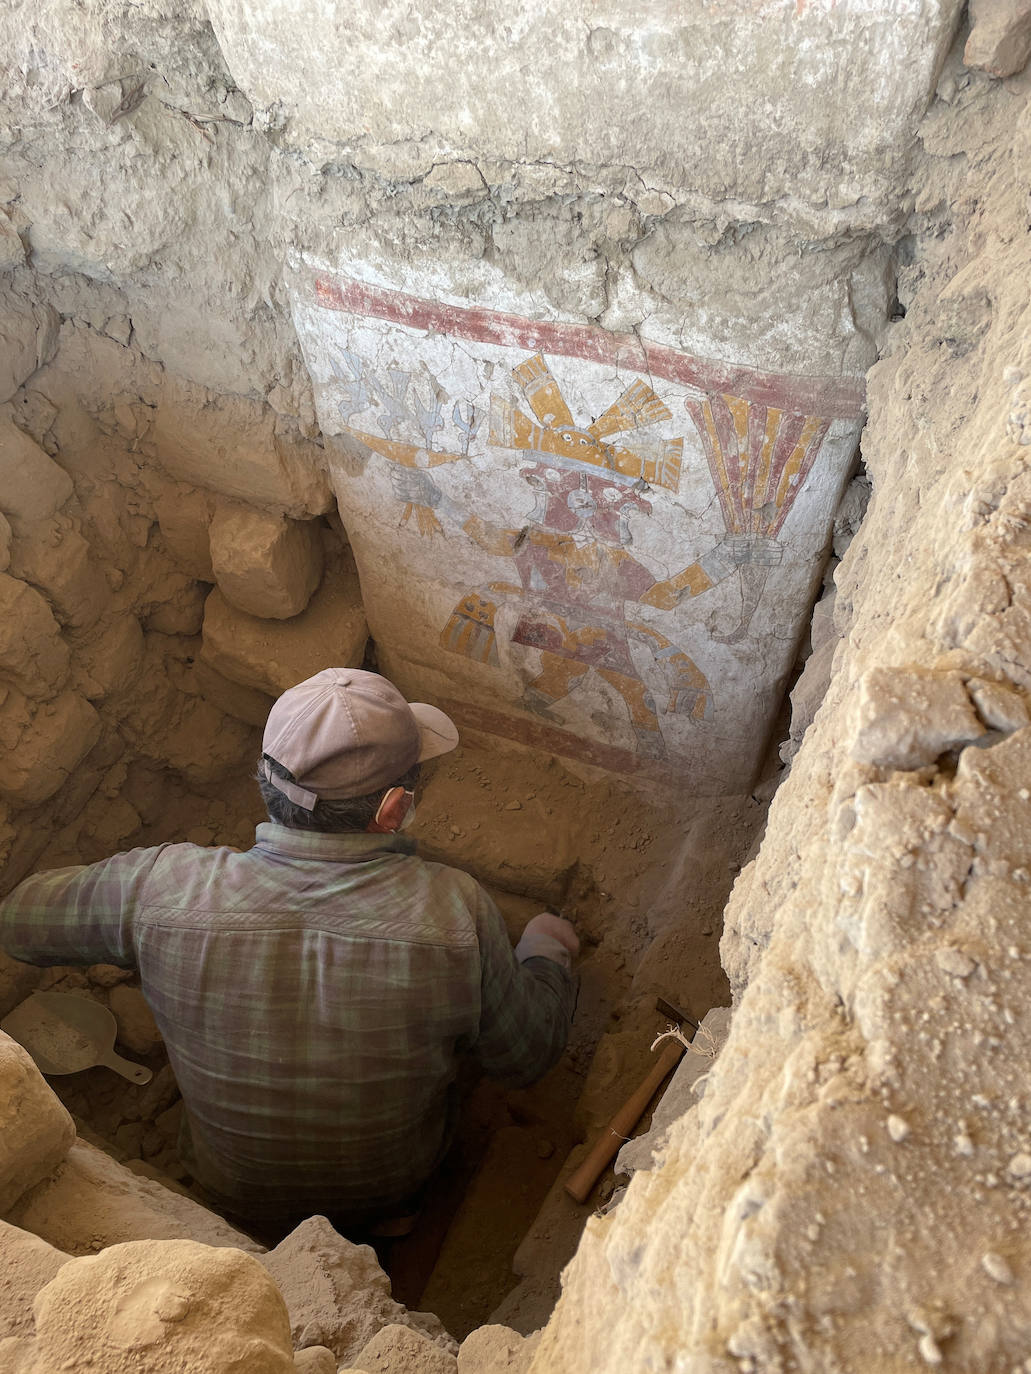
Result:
[[852, 1190]]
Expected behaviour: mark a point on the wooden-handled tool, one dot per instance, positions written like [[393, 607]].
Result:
[[582, 1179]]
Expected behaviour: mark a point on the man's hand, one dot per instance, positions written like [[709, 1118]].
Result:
[[557, 926], [548, 936]]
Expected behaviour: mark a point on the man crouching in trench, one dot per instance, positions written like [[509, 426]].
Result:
[[318, 992]]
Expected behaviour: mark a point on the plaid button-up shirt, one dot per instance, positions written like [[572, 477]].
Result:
[[315, 994]]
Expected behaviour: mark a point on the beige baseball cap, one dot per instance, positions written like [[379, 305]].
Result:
[[344, 733]]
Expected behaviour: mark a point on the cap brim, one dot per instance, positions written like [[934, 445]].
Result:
[[437, 732]]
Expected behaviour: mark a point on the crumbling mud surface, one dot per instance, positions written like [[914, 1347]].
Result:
[[852, 1188]]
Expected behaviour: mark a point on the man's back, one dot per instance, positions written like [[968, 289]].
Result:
[[314, 994]]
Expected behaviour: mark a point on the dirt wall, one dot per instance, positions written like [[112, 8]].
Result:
[[851, 1191]]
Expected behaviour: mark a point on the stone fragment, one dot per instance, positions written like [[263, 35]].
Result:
[[36, 1132], [103, 100], [108, 975], [998, 706], [153, 1307], [36, 415], [182, 613], [521, 864], [495, 1350], [227, 444], [996, 1267], [27, 1264], [169, 1121], [119, 328], [245, 703], [137, 1029], [203, 744], [954, 961], [110, 659], [271, 656], [315, 1359], [337, 1294], [107, 821], [33, 655], [90, 1201], [1000, 36], [43, 742], [929, 1349], [17, 1354], [1020, 1165], [898, 1128], [159, 1094], [32, 485], [184, 515], [53, 556], [28, 330], [17, 980], [849, 515], [400, 1350], [263, 564], [456, 181], [908, 717], [12, 250]]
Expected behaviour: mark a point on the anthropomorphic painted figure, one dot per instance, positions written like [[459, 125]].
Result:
[[579, 579], [317, 992], [577, 574]]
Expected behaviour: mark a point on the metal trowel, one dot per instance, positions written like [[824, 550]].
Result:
[[64, 1034]]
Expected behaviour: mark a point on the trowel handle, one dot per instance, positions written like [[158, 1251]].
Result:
[[582, 1180], [135, 1073]]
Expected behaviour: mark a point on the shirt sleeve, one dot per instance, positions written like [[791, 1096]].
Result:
[[81, 915], [526, 1008]]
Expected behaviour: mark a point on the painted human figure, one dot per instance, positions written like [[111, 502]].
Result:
[[573, 556]]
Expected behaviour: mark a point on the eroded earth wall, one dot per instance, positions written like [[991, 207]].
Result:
[[289, 300], [852, 1191]]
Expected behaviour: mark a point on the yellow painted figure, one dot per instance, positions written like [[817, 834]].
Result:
[[576, 572]]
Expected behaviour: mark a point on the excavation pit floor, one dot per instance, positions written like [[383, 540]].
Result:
[[644, 881]]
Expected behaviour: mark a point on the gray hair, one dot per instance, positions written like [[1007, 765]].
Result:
[[354, 814]]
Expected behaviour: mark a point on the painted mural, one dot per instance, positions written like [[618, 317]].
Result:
[[588, 489]]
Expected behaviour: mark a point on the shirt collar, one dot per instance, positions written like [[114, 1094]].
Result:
[[315, 844]]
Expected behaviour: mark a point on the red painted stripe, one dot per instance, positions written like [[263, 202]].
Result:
[[832, 397], [726, 433], [698, 410], [790, 431], [550, 739], [756, 439], [811, 455]]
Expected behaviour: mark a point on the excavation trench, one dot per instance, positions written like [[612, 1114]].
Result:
[[163, 617], [646, 890], [169, 578]]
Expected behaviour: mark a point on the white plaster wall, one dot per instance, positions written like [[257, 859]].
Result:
[[666, 611], [759, 101]]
